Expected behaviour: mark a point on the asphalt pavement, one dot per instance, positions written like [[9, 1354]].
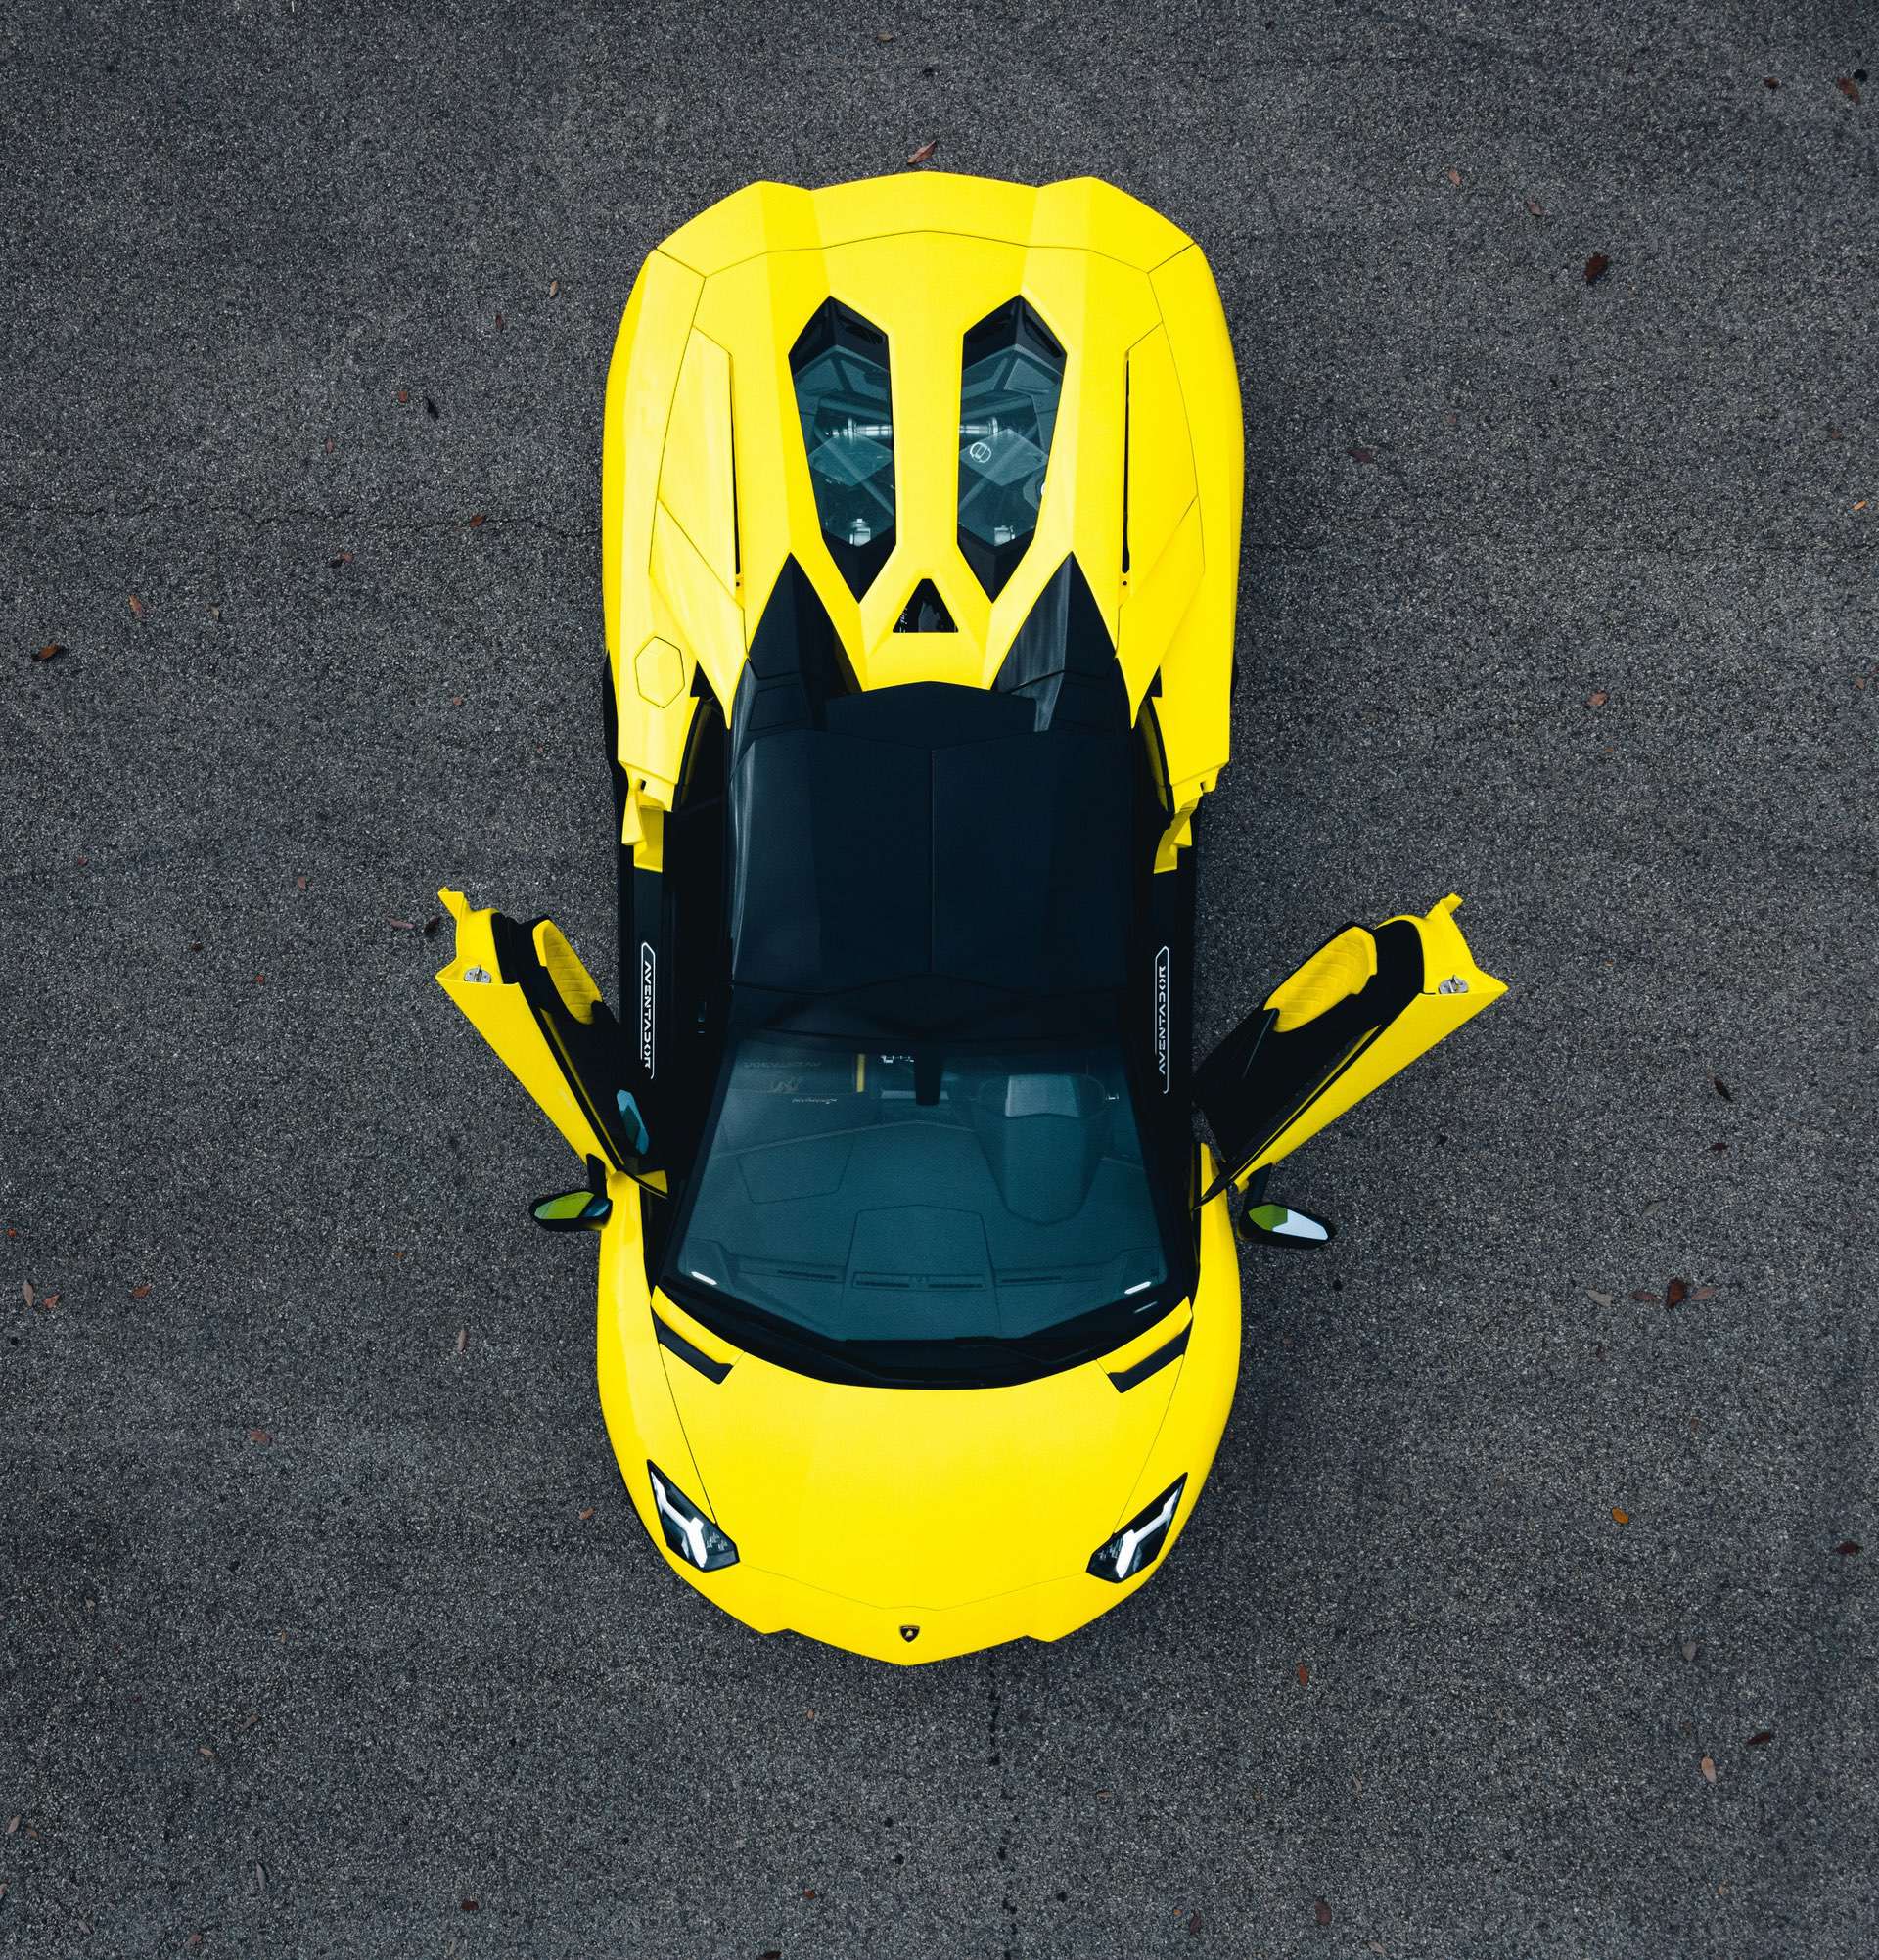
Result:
[[1558, 593]]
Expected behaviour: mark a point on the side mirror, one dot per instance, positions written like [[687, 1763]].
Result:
[[571, 1212], [1282, 1225]]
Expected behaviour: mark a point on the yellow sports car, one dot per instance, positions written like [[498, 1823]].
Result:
[[919, 1299]]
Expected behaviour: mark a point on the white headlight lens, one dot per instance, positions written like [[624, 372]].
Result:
[[1140, 1542], [688, 1531]]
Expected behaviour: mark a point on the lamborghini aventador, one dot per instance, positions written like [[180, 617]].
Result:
[[919, 1297]]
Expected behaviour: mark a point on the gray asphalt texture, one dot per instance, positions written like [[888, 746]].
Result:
[[1585, 642]]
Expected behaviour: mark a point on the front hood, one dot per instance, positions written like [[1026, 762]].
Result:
[[917, 1498]]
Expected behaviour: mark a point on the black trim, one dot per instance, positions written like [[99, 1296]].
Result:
[[695, 1357], [1151, 1364]]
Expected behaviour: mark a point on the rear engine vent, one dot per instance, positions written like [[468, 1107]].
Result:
[[925, 612]]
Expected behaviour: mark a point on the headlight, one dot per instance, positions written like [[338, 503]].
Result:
[[1140, 1542], [689, 1532]]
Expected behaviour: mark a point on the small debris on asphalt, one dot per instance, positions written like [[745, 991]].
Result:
[[1596, 268], [49, 651], [1620, 1517], [925, 153], [1708, 1767]]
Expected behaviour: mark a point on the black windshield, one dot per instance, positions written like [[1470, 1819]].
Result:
[[923, 1211]]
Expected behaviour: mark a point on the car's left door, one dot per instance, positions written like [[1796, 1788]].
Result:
[[1359, 1009], [524, 990]]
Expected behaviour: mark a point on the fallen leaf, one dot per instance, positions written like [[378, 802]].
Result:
[[1691, 1650], [1719, 1146], [406, 925], [1194, 1923], [1603, 1298], [139, 1291], [498, 323], [215, 614], [47, 1301], [1649, 1299], [1861, 504], [1722, 1088], [13, 1824], [26, 1293], [884, 38], [136, 607], [339, 558], [1455, 177], [49, 651], [193, 1944], [259, 1435], [477, 521], [1534, 206], [586, 1515], [1769, 81], [1362, 455], [469, 1906], [1677, 1292], [1847, 87], [204, 1750], [1620, 1517], [1704, 1292], [404, 394], [1597, 697], [1848, 1548], [554, 287], [1321, 1912], [1376, 1946], [1303, 1674], [923, 155], [431, 409], [1596, 268], [463, 1339], [432, 924], [1708, 1767], [1761, 1738]]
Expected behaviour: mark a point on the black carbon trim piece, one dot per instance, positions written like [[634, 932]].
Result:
[[1151, 1364], [669, 1337]]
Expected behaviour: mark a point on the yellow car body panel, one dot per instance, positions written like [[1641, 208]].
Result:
[[893, 1509], [926, 257], [905, 1523]]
